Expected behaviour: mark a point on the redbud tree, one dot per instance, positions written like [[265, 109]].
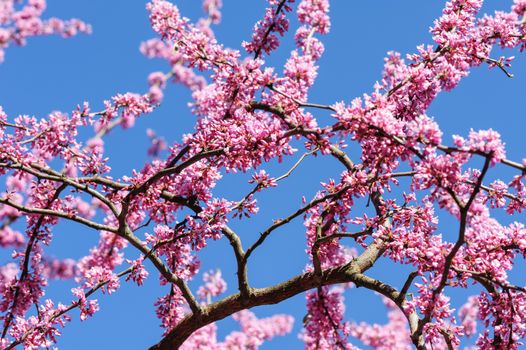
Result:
[[397, 174]]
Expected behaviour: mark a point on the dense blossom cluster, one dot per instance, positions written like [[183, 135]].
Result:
[[249, 114]]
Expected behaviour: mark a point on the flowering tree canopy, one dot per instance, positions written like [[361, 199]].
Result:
[[397, 173]]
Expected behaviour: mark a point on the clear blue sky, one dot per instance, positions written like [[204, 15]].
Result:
[[54, 74]]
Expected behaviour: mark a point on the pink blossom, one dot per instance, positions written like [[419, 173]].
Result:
[[138, 273], [18, 23], [214, 285], [324, 327], [398, 175], [274, 21], [256, 331], [314, 14], [487, 142], [468, 316], [87, 307], [392, 336]]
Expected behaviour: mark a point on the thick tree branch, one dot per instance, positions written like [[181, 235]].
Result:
[[351, 272]]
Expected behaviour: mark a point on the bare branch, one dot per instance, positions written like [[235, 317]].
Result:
[[280, 222], [279, 178]]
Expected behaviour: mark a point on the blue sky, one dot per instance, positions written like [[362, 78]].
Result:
[[54, 74]]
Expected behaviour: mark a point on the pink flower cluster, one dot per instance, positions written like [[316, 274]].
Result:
[[20, 20], [392, 336], [254, 332], [214, 285], [250, 114], [274, 22], [324, 325]]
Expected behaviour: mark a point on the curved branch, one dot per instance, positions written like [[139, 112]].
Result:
[[351, 272], [280, 222]]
